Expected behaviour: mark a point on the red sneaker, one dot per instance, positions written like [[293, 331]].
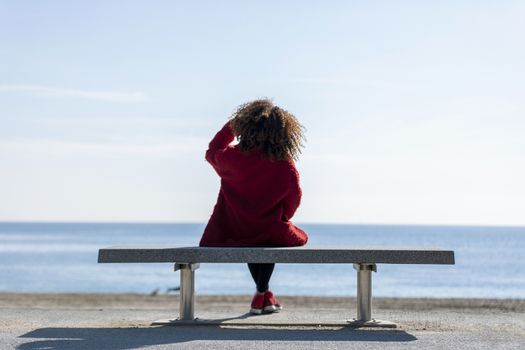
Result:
[[271, 303], [257, 304]]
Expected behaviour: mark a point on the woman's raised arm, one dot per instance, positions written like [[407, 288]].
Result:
[[218, 145]]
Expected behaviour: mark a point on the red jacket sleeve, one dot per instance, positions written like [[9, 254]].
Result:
[[293, 198], [218, 145]]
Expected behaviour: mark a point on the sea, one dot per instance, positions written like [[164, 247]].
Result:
[[62, 257]]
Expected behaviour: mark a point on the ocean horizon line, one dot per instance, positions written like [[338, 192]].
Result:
[[327, 223]]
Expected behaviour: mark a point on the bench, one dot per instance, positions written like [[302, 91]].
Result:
[[364, 260]]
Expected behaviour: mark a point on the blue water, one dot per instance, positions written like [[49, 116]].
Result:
[[60, 257]]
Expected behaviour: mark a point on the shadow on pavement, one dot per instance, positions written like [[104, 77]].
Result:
[[131, 338]]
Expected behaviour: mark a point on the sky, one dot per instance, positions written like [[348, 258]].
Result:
[[414, 110]]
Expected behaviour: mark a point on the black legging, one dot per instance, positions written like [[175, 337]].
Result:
[[261, 274]]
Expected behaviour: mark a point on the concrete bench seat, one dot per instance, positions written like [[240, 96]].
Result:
[[364, 260]]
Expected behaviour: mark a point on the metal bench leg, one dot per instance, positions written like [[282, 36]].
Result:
[[187, 294], [364, 291], [364, 299], [187, 290]]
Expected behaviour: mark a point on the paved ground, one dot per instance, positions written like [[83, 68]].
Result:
[[124, 322], [211, 337]]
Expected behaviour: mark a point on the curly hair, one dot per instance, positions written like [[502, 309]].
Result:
[[274, 131]]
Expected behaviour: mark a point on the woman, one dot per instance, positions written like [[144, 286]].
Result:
[[259, 191]]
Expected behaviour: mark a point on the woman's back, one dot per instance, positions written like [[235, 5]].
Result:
[[258, 196]]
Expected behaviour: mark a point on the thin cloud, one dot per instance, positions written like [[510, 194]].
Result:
[[357, 83], [47, 91], [181, 147]]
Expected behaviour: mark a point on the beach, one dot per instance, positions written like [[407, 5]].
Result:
[[124, 321]]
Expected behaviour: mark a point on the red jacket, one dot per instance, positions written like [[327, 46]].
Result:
[[257, 199]]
